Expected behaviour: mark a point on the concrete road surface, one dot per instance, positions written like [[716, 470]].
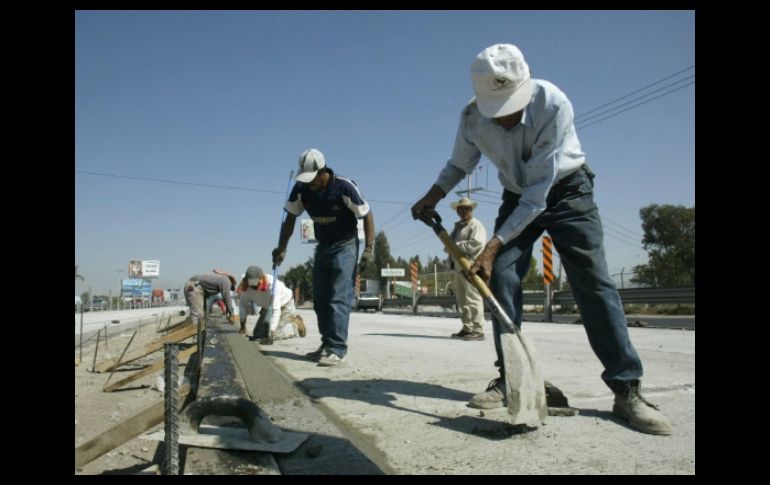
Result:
[[403, 389]]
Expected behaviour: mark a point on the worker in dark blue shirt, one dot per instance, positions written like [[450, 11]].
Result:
[[335, 204]]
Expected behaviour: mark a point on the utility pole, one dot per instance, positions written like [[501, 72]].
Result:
[[470, 190], [120, 287], [621, 277]]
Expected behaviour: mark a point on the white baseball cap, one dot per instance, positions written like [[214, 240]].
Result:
[[310, 162], [501, 81]]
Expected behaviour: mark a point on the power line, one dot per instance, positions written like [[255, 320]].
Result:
[[634, 106], [634, 92], [637, 98], [178, 182]]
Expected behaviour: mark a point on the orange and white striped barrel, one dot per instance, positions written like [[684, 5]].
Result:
[[413, 268], [547, 260]]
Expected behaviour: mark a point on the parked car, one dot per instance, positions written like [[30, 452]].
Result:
[[368, 300]]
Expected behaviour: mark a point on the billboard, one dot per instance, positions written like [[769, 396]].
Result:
[[135, 268], [136, 287], [150, 269], [307, 231], [143, 269]]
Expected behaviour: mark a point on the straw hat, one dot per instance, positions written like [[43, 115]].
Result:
[[464, 202]]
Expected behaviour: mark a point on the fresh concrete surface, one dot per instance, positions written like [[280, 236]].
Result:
[[401, 398]]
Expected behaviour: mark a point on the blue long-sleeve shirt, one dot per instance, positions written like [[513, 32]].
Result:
[[538, 152]]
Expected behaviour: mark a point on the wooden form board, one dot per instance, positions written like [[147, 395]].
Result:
[[176, 336], [183, 355]]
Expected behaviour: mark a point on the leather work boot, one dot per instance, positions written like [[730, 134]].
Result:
[[493, 397], [640, 413], [300, 325], [462, 333], [474, 336]]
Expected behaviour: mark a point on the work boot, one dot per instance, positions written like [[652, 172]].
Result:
[[300, 325], [640, 413], [462, 333], [493, 397], [474, 336]]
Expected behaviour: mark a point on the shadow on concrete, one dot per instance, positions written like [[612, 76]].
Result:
[[382, 392], [321, 455], [282, 354], [408, 335], [605, 416]]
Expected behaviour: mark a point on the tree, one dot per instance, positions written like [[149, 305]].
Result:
[[438, 264], [301, 276], [533, 280], [382, 258], [669, 238]]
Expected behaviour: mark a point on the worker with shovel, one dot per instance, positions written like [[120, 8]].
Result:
[[526, 128]]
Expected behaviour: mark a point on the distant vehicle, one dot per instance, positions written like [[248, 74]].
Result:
[[368, 300], [98, 304]]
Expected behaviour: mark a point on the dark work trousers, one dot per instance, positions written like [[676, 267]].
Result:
[[572, 220]]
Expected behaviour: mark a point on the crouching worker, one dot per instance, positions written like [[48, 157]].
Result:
[[283, 321]]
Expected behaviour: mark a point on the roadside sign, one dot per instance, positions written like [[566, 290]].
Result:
[[390, 272]]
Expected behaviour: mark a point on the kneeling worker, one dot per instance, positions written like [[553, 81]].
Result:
[[257, 288]]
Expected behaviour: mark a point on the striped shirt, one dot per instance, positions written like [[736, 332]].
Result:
[[335, 211]]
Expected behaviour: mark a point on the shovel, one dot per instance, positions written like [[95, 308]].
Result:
[[524, 386], [262, 328]]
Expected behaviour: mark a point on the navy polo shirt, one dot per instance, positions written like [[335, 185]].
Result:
[[335, 211]]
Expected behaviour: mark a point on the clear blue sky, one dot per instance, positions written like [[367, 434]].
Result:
[[223, 102]]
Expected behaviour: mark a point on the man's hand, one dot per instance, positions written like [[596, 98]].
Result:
[[367, 260], [483, 264], [427, 205], [278, 256]]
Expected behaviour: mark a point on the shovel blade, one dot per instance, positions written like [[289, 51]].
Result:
[[524, 386]]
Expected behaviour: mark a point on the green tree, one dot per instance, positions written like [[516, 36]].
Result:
[[669, 238], [533, 280], [440, 264], [301, 276], [382, 258]]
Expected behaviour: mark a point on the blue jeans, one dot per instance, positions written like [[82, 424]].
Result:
[[572, 220], [334, 273]]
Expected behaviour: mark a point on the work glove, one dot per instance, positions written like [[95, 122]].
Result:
[[278, 257], [367, 260]]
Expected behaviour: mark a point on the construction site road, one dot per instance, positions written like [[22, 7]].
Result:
[[401, 397]]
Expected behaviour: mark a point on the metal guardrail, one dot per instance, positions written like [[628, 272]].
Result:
[[651, 296]]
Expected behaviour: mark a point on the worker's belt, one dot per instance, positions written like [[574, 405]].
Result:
[[324, 220]]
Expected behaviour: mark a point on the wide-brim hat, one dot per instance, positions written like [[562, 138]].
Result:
[[464, 202]]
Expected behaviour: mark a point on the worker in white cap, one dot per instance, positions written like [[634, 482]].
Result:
[[526, 128]]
